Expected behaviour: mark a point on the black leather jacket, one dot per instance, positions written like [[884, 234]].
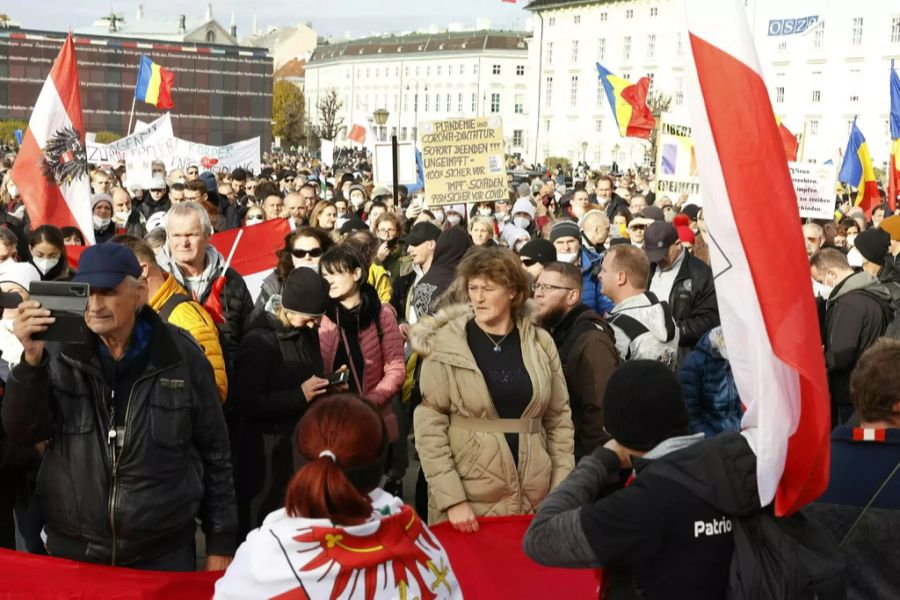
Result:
[[693, 300], [174, 465]]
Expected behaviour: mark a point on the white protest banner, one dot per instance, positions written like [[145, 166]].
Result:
[[676, 163], [463, 160], [383, 164], [326, 150], [814, 184], [220, 159], [141, 125], [139, 170], [142, 142]]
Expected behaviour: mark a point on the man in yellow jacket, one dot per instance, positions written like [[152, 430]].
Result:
[[174, 305]]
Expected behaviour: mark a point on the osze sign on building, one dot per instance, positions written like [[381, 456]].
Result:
[[463, 160]]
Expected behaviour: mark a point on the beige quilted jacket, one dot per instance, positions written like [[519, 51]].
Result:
[[462, 464]]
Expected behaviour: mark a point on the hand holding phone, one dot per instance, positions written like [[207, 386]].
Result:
[[30, 320]]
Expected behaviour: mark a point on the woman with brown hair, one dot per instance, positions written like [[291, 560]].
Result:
[[302, 248], [494, 429], [324, 216], [337, 527]]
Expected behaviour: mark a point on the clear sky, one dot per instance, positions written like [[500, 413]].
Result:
[[329, 17]]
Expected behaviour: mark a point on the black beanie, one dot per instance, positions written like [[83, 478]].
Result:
[[539, 250], [304, 291], [873, 244], [643, 405]]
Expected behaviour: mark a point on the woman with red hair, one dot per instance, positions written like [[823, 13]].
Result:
[[338, 531]]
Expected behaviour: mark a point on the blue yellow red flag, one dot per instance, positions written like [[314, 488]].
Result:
[[858, 172], [154, 84], [894, 164], [628, 102]]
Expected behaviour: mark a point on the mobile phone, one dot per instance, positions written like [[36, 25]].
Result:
[[392, 243], [67, 302], [337, 378]]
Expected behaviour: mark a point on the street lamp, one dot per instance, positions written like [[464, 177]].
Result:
[[584, 146], [381, 117]]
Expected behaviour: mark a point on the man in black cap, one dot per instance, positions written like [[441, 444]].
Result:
[[139, 447], [677, 512], [684, 281], [420, 241], [535, 255], [874, 245]]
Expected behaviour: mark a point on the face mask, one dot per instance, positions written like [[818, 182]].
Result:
[[356, 201], [123, 215], [485, 212], [566, 257], [454, 220], [855, 258], [13, 191], [825, 288], [438, 216], [851, 239], [254, 220], [521, 222], [100, 223], [44, 265], [669, 215]]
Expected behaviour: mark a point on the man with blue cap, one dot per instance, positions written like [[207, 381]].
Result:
[[139, 447]]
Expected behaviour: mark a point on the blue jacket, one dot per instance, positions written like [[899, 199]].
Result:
[[709, 390], [591, 294]]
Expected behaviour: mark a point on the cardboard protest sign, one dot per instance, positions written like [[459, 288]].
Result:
[[814, 184], [383, 164], [676, 162], [463, 160]]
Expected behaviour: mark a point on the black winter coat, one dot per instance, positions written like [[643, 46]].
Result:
[[692, 300], [174, 465]]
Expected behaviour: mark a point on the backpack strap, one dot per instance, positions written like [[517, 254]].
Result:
[[581, 327], [631, 326], [869, 504], [171, 304]]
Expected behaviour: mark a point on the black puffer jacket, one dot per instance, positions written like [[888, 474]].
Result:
[[693, 300], [174, 465]]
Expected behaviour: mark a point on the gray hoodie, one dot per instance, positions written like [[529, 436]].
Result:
[[651, 345]]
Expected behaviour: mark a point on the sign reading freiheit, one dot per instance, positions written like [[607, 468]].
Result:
[[463, 161]]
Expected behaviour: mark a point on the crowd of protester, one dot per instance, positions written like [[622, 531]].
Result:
[[497, 344]]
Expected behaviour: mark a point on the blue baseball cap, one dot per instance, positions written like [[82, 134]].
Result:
[[104, 266]]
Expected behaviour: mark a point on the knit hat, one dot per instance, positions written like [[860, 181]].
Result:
[[352, 224], [873, 244], [685, 234], [157, 182], [512, 234], [539, 250], [563, 229], [892, 226], [304, 291], [524, 190], [98, 198], [523, 205], [643, 405]]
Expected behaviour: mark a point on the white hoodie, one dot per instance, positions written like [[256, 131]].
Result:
[[392, 556], [651, 345]]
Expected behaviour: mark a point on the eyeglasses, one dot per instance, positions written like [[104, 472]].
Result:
[[528, 262], [637, 227], [312, 253], [546, 287], [387, 231]]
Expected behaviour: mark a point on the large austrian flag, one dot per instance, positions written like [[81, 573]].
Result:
[[257, 250], [761, 274], [51, 168]]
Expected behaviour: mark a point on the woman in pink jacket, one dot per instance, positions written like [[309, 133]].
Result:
[[360, 333]]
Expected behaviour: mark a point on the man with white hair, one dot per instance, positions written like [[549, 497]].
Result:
[[814, 237]]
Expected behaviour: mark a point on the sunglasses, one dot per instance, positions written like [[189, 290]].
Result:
[[158, 191], [289, 179], [528, 262], [312, 253], [637, 227]]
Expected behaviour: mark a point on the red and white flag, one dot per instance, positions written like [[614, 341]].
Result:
[[361, 131], [761, 273], [51, 167], [257, 251]]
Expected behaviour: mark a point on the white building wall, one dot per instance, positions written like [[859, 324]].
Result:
[[852, 78], [448, 85]]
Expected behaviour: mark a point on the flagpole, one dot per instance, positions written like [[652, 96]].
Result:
[[131, 118]]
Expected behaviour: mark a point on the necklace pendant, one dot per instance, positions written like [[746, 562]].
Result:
[[497, 349]]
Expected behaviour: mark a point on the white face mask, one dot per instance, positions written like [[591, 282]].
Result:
[[438, 216], [100, 223], [122, 215], [454, 219], [254, 220], [13, 191], [521, 222], [826, 289], [851, 240], [356, 201], [566, 257], [485, 212], [297, 265], [44, 265]]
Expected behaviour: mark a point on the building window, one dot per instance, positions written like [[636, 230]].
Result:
[[428, 71], [626, 48], [895, 30], [782, 46], [450, 70], [816, 95], [598, 125], [474, 105], [415, 133], [679, 46], [602, 17], [578, 19], [819, 35], [403, 133], [426, 102], [547, 127], [573, 91], [549, 53], [626, 75], [856, 31], [475, 69], [460, 104], [779, 94], [813, 127], [495, 102], [393, 132], [629, 14], [548, 90], [679, 91], [651, 45], [211, 37], [654, 11], [854, 98], [495, 70], [449, 102], [520, 104], [601, 49], [601, 94], [439, 70], [574, 51], [406, 71], [517, 137], [520, 70], [551, 21]]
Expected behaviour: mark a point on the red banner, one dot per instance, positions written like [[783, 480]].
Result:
[[489, 564]]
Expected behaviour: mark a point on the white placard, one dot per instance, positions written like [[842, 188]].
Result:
[[383, 166], [326, 149], [146, 141], [814, 185], [139, 170]]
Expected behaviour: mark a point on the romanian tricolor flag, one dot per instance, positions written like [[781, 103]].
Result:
[[154, 84], [629, 104], [857, 171], [894, 164]]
